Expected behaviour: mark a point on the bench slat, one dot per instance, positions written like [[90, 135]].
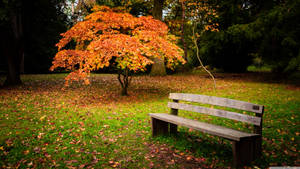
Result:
[[224, 132], [218, 101], [216, 112]]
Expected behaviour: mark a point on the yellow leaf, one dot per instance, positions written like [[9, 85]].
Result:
[[42, 118]]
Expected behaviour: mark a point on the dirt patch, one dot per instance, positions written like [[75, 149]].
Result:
[[163, 156]]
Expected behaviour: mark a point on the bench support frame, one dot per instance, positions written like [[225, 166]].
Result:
[[159, 127]]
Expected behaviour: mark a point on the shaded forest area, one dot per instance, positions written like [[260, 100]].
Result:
[[249, 32]]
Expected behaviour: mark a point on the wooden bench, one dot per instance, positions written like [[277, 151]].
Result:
[[245, 146]]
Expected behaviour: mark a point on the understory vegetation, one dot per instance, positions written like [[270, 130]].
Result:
[[43, 125]]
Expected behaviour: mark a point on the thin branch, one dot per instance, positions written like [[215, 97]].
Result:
[[197, 52]]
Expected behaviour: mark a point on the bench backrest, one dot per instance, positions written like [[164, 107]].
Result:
[[218, 101]]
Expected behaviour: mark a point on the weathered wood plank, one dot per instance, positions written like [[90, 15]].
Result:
[[216, 112], [218, 101], [220, 131]]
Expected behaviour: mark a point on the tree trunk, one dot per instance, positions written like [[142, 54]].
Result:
[[124, 91], [182, 29], [124, 80], [158, 67], [13, 48], [13, 73], [157, 9]]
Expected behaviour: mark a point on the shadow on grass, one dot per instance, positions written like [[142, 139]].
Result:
[[216, 151]]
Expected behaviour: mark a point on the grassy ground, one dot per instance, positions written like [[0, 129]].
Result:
[[43, 126]]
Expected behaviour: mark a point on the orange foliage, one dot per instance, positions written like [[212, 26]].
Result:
[[110, 33]]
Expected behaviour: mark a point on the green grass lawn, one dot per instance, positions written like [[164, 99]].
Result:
[[43, 126]]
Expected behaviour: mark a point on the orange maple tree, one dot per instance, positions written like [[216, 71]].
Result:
[[110, 36]]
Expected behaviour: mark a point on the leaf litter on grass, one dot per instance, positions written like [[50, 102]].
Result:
[[93, 126]]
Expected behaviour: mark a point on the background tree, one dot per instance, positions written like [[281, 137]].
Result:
[[158, 68], [79, 8], [44, 21], [182, 28], [202, 15], [267, 31], [229, 48], [12, 39], [183, 16], [110, 37], [278, 31], [28, 35]]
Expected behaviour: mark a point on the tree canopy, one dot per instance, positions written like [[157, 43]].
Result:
[[252, 31], [110, 37]]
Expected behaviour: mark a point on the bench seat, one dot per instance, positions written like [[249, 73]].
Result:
[[224, 132]]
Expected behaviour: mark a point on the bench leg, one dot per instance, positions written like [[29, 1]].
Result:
[[243, 152], [257, 148], [159, 127], [173, 128]]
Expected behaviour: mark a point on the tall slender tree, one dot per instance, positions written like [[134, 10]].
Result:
[[182, 28], [12, 39], [158, 68]]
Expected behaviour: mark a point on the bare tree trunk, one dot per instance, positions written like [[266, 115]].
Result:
[[9, 52], [157, 9], [13, 48], [182, 29], [158, 67], [22, 66]]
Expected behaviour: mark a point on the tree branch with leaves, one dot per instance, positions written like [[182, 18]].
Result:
[[110, 36]]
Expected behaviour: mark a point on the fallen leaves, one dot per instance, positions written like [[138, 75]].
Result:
[[37, 149], [40, 135], [75, 141], [113, 163], [48, 129], [9, 142], [166, 157], [70, 162], [43, 117], [26, 152]]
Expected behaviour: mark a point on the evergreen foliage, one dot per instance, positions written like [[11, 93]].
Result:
[[268, 31]]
